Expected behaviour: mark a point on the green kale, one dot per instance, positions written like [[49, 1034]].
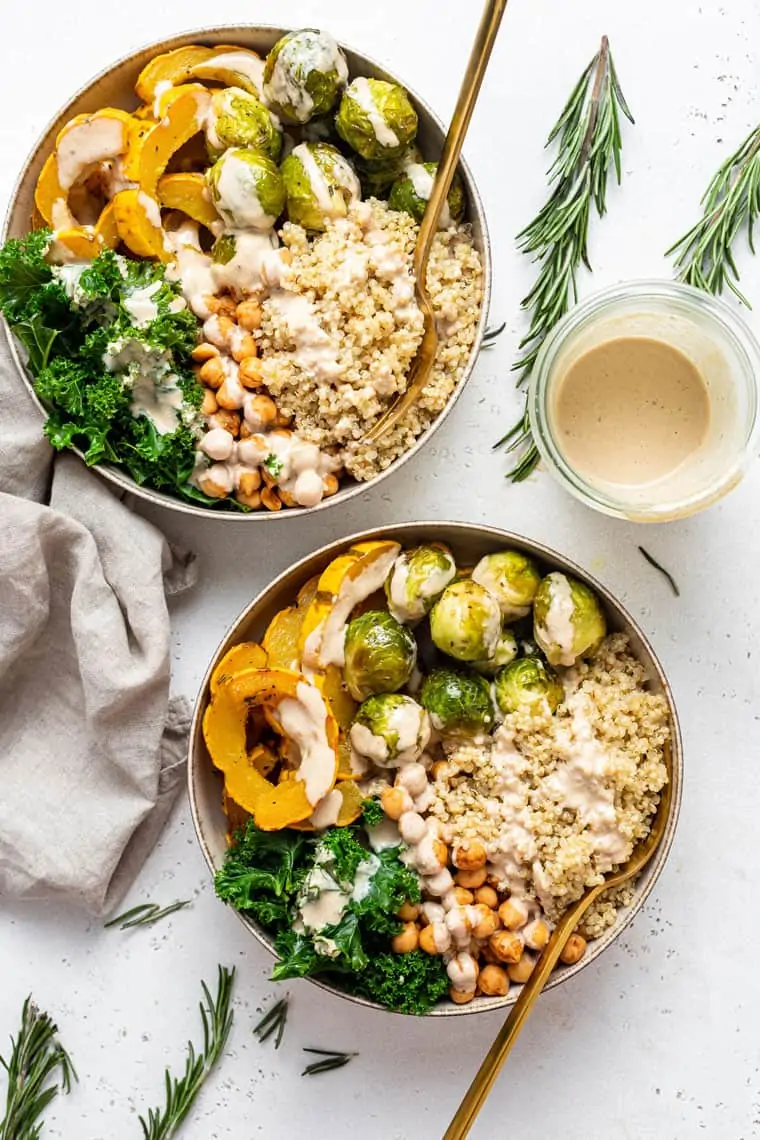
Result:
[[262, 863], [408, 983], [390, 887], [273, 465], [27, 286], [372, 814], [345, 852]]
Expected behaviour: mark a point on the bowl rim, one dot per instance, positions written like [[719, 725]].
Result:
[[548, 556], [163, 499]]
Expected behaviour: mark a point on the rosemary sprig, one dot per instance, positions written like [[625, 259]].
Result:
[[661, 569], [589, 144], [273, 1021], [216, 1015], [330, 1061], [704, 255], [145, 914], [491, 335], [37, 1057]]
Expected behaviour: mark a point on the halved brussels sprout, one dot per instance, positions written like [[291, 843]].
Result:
[[304, 74], [465, 622], [459, 703], [239, 119], [568, 621], [390, 729], [320, 185], [376, 118], [512, 578], [417, 578], [246, 188], [380, 655], [506, 651], [527, 683], [378, 175], [411, 192]]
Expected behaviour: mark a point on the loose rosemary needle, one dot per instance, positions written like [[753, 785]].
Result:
[[273, 1021], [145, 914], [216, 1015], [329, 1061], [661, 569], [704, 255], [590, 143], [37, 1058]]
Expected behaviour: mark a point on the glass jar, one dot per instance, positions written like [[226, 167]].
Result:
[[716, 341]]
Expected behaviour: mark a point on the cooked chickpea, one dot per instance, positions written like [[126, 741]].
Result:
[[463, 897], [507, 947], [442, 770], [513, 913], [409, 912], [461, 997], [260, 411], [223, 418], [427, 939], [330, 484], [227, 306], [203, 352], [248, 315], [210, 404], [249, 482], [223, 305], [228, 396], [536, 934], [493, 981], [412, 827], [212, 372], [217, 329], [471, 879], [463, 970], [487, 923], [395, 801], [519, 972], [488, 955], [488, 897], [469, 856], [216, 481], [244, 348], [253, 500], [413, 777], [288, 500], [575, 948], [406, 940], [251, 372], [440, 883], [271, 499], [441, 852]]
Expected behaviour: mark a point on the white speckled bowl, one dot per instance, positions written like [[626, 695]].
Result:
[[115, 87], [469, 543]]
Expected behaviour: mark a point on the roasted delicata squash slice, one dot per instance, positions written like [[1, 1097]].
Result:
[[228, 65], [345, 584], [187, 192], [246, 655], [82, 243], [351, 807], [281, 638], [304, 717], [138, 211]]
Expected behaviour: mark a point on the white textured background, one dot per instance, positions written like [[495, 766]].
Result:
[[659, 1041]]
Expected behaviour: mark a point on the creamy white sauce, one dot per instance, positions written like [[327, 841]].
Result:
[[154, 387], [409, 602], [314, 350], [237, 198], [354, 588], [244, 272], [361, 92], [368, 744], [330, 204], [497, 585], [557, 629], [303, 719], [286, 89], [160, 90], [94, 140], [384, 836], [327, 811], [241, 63], [151, 208], [140, 305]]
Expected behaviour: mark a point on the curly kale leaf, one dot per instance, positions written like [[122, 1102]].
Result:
[[409, 983], [262, 865], [372, 813], [390, 887]]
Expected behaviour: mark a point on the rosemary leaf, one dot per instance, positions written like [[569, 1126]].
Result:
[[145, 914], [661, 569], [336, 1061], [491, 335], [589, 143], [273, 1021], [216, 1016], [37, 1057]]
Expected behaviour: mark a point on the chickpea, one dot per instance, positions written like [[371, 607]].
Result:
[[412, 827], [493, 981], [409, 912], [330, 484], [253, 500], [440, 851], [210, 404], [260, 411], [283, 419], [217, 329], [395, 801], [428, 941], [271, 499], [287, 499], [244, 348], [249, 482], [203, 352], [227, 397], [251, 372], [575, 948], [519, 972], [442, 770], [487, 923], [507, 947], [513, 913], [536, 934], [230, 421], [248, 315], [463, 897], [488, 897], [469, 856], [245, 431], [407, 940], [217, 305], [212, 372], [463, 970], [226, 307], [216, 481], [461, 997], [488, 955], [440, 883], [471, 879]]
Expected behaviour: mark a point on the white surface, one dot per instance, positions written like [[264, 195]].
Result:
[[659, 1040]]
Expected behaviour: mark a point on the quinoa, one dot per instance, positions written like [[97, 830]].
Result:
[[338, 357], [562, 800]]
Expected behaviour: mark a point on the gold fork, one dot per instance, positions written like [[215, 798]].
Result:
[[486, 1075], [419, 371]]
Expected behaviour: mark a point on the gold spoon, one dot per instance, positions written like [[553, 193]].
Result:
[[486, 1075], [423, 362]]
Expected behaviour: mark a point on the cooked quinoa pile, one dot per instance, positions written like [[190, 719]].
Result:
[[561, 800], [336, 350]]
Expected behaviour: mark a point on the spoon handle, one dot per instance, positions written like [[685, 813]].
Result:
[[489, 1070], [452, 149]]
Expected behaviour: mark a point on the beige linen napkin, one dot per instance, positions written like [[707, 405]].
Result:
[[92, 749]]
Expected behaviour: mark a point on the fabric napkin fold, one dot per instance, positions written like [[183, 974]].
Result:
[[92, 747]]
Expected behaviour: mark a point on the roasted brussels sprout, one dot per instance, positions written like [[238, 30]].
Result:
[[417, 578], [380, 655], [377, 176], [568, 621], [376, 118], [320, 185], [512, 578], [465, 622], [459, 704], [527, 683], [506, 651], [240, 119], [390, 729], [304, 75], [411, 192], [246, 188]]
